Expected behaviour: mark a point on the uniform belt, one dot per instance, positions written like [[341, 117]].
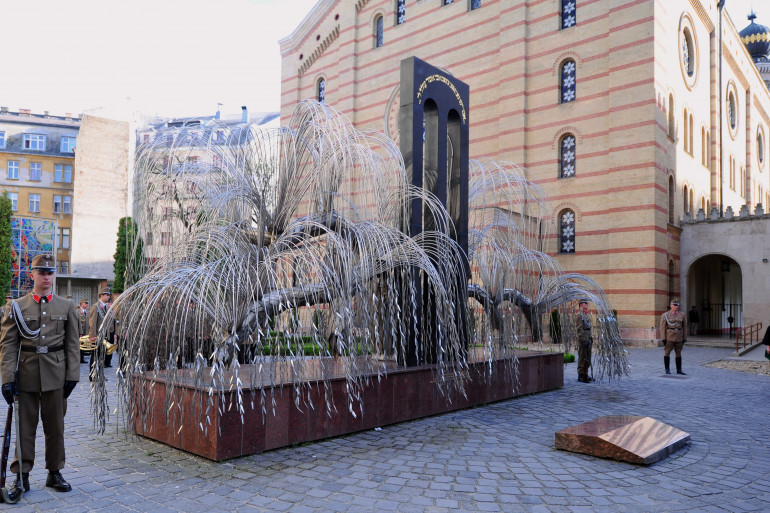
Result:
[[675, 329], [42, 349]]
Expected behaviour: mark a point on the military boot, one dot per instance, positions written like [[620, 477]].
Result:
[[679, 366], [57, 482], [667, 363]]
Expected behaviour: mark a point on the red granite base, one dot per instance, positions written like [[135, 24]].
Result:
[[631, 438], [402, 394]]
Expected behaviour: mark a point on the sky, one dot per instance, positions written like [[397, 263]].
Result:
[[170, 57]]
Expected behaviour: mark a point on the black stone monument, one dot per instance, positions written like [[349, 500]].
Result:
[[433, 126]]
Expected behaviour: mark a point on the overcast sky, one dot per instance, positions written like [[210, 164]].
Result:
[[171, 57]]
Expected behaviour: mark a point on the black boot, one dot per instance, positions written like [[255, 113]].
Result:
[[679, 366], [667, 363], [12, 495], [57, 482], [24, 481]]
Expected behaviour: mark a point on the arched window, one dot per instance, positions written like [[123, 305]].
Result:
[[568, 14], [703, 145], [671, 200], [567, 154], [703, 205], [378, 28], [567, 232], [400, 11], [671, 280], [321, 90], [689, 136], [568, 81], [684, 131], [742, 182], [685, 198], [671, 127], [692, 205]]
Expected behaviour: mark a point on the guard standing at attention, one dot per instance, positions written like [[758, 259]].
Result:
[[673, 329], [96, 318], [41, 331], [585, 341], [83, 317], [6, 307]]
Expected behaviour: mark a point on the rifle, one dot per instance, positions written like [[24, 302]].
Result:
[[6, 447], [13, 495]]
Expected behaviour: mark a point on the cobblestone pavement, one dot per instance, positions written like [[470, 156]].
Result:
[[499, 457]]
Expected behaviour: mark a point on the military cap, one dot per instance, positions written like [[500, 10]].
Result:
[[582, 300], [44, 262], [675, 301], [84, 300], [105, 291], [9, 295]]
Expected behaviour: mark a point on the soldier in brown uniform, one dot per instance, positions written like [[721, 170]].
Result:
[[673, 329], [43, 334], [6, 307], [95, 318], [83, 318], [585, 341]]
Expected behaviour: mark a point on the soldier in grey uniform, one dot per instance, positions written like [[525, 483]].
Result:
[[42, 332], [585, 341], [673, 330]]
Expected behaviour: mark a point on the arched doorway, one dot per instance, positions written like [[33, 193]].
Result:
[[715, 287]]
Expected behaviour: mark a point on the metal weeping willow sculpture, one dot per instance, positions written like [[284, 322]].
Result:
[[285, 256]]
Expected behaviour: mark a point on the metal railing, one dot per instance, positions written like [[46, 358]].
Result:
[[720, 318], [750, 333]]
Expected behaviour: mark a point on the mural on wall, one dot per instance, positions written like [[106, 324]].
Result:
[[30, 236]]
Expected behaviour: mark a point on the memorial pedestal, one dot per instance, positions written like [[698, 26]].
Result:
[[401, 395]]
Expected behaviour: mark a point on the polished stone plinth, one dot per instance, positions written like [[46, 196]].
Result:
[[400, 395], [641, 440]]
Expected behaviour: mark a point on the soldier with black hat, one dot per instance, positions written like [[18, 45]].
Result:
[[40, 335], [673, 330], [95, 319], [585, 341]]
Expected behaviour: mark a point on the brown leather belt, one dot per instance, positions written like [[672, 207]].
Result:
[[42, 349]]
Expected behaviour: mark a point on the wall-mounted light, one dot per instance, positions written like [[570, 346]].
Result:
[[764, 260]]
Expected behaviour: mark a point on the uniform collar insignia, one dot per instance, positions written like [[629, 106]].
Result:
[[37, 298]]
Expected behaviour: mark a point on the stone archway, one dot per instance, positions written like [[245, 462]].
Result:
[[715, 287]]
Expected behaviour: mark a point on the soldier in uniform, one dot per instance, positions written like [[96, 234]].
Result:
[[83, 317], [6, 307], [673, 329], [95, 318], [41, 331], [584, 342]]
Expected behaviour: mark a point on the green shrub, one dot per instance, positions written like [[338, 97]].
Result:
[[569, 357]]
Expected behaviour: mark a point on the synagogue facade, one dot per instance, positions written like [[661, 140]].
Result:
[[630, 114]]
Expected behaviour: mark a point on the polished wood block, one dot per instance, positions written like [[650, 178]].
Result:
[[400, 395], [641, 440]]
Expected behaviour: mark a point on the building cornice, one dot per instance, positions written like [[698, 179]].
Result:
[[758, 105], [314, 17], [702, 14], [318, 51]]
